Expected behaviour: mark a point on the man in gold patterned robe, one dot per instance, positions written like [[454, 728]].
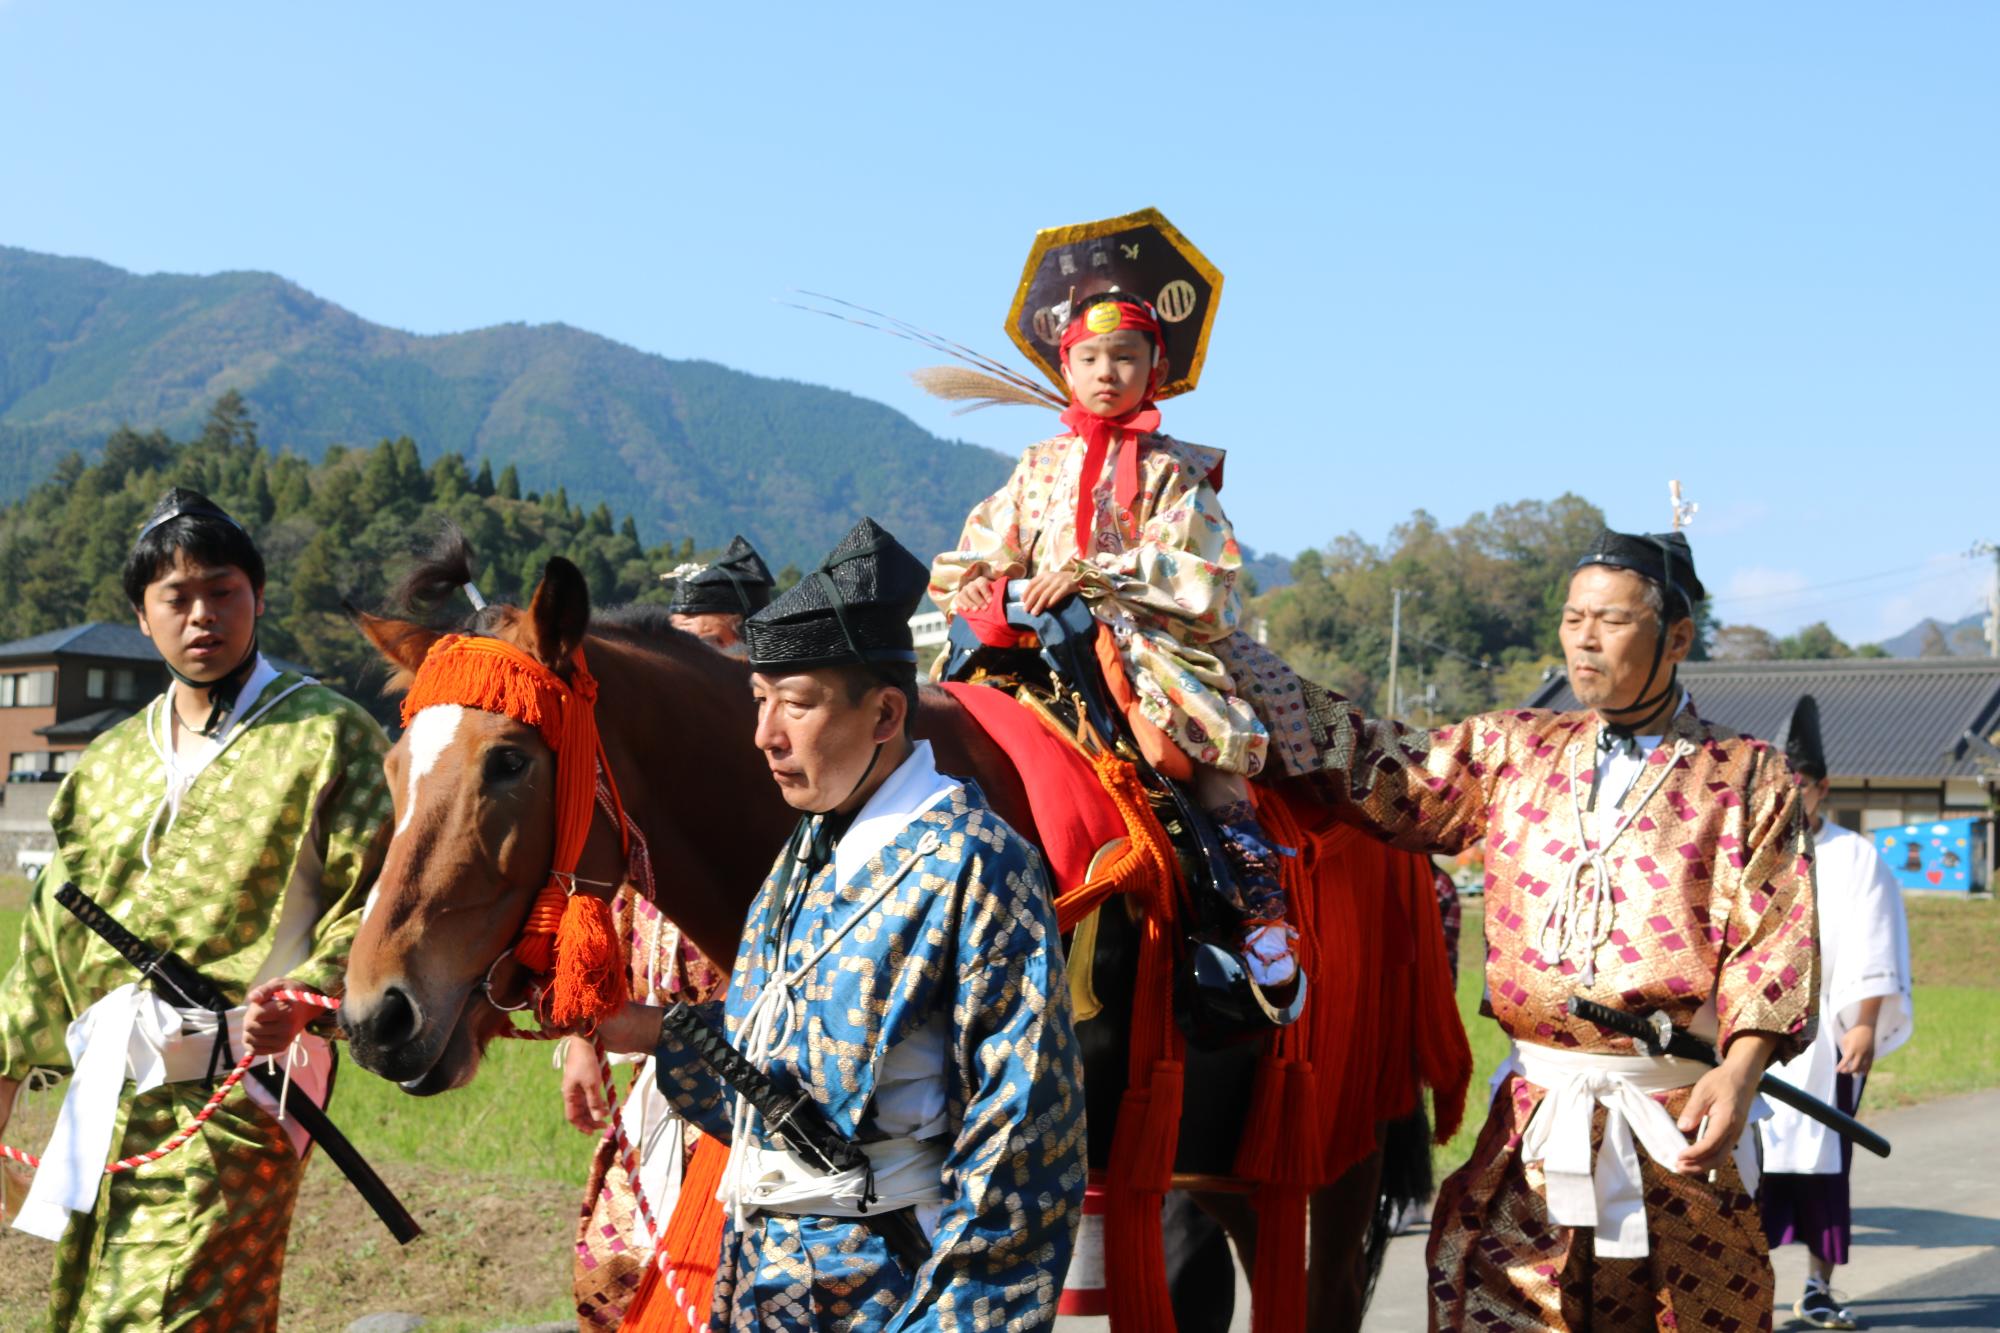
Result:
[[1652, 861], [240, 819]]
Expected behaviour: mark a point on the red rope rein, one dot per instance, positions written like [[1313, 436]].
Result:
[[289, 994]]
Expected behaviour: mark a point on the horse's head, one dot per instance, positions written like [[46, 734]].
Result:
[[473, 842]]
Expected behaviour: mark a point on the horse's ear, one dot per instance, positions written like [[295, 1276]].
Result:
[[560, 613], [402, 643]]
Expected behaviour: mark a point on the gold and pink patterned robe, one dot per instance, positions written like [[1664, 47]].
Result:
[[1163, 577], [612, 1247], [1713, 895]]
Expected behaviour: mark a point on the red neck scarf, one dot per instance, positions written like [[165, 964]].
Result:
[[1098, 433]]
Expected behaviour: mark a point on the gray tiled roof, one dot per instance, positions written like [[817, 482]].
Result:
[[85, 728], [95, 639], [1882, 718]]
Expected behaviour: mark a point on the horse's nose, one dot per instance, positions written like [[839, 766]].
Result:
[[394, 1020]]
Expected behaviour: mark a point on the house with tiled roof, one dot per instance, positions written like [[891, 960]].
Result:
[[1909, 741], [63, 689], [58, 692]]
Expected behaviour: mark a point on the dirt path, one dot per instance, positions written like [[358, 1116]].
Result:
[[494, 1252]]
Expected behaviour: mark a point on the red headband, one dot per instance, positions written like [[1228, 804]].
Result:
[[1109, 317]]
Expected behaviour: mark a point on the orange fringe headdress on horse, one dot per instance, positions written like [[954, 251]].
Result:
[[567, 933]]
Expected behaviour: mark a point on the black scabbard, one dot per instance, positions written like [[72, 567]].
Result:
[[796, 1121], [181, 984], [1686, 1046]]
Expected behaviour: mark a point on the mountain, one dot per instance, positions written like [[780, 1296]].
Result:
[[1964, 638], [690, 448]]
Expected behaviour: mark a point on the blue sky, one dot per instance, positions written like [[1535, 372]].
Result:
[[1474, 252]]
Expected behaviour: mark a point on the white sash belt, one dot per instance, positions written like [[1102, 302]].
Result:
[[907, 1173], [133, 1034], [764, 1031], [1607, 1194]]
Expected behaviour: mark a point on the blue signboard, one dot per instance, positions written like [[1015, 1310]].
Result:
[[1934, 855]]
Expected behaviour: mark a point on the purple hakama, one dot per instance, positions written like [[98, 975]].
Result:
[[1814, 1211]]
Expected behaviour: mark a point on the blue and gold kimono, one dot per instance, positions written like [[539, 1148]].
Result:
[[924, 1004]]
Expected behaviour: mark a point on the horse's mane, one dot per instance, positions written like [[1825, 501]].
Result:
[[446, 566], [444, 569]]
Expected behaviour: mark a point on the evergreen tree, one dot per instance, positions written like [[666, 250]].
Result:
[[341, 529]]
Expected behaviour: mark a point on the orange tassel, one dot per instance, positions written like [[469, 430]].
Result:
[[1142, 1157], [1257, 1156], [1278, 1286], [1298, 1153], [674, 1294], [590, 972]]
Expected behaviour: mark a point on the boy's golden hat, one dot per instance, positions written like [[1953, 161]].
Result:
[[1141, 253]]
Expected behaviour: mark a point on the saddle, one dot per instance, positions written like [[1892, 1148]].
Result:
[[1059, 666]]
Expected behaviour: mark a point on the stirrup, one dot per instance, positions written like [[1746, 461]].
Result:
[[1217, 1004]]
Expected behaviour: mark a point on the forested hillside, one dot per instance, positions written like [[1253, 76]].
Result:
[[687, 447], [343, 527]]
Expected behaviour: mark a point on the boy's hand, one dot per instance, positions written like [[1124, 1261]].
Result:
[[973, 594], [272, 1023], [583, 1089], [1046, 589]]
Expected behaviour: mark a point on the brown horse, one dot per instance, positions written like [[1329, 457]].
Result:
[[473, 841]]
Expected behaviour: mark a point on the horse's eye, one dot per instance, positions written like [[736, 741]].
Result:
[[505, 762]]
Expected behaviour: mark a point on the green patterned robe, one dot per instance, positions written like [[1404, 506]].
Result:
[[261, 874]]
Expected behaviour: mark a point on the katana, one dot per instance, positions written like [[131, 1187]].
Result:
[[177, 982], [795, 1121], [1658, 1035]]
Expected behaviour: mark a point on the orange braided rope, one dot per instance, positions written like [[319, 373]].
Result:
[[567, 933]]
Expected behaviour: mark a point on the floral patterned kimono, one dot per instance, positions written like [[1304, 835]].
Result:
[[925, 1003], [1163, 577], [259, 871], [1710, 921], [613, 1243]]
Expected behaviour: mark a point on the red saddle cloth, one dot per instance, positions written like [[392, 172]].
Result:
[[1073, 815]]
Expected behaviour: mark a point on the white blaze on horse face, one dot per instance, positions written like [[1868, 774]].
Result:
[[431, 731]]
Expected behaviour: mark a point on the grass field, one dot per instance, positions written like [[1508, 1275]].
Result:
[[1954, 953]]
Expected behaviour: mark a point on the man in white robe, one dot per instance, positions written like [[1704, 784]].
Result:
[[1864, 1014]]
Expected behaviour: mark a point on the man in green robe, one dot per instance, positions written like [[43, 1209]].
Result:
[[240, 819]]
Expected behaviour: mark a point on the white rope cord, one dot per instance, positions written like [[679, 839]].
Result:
[[1580, 915], [763, 1035]]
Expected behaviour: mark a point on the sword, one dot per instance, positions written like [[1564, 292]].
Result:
[[1659, 1036], [796, 1121], [176, 979]]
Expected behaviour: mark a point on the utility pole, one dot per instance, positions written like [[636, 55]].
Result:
[[1992, 598], [1395, 646]]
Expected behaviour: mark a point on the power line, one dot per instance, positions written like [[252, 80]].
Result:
[[1824, 602], [1482, 663], [1817, 587]]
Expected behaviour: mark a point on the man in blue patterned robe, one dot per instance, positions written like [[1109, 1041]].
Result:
[[902, 964]]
